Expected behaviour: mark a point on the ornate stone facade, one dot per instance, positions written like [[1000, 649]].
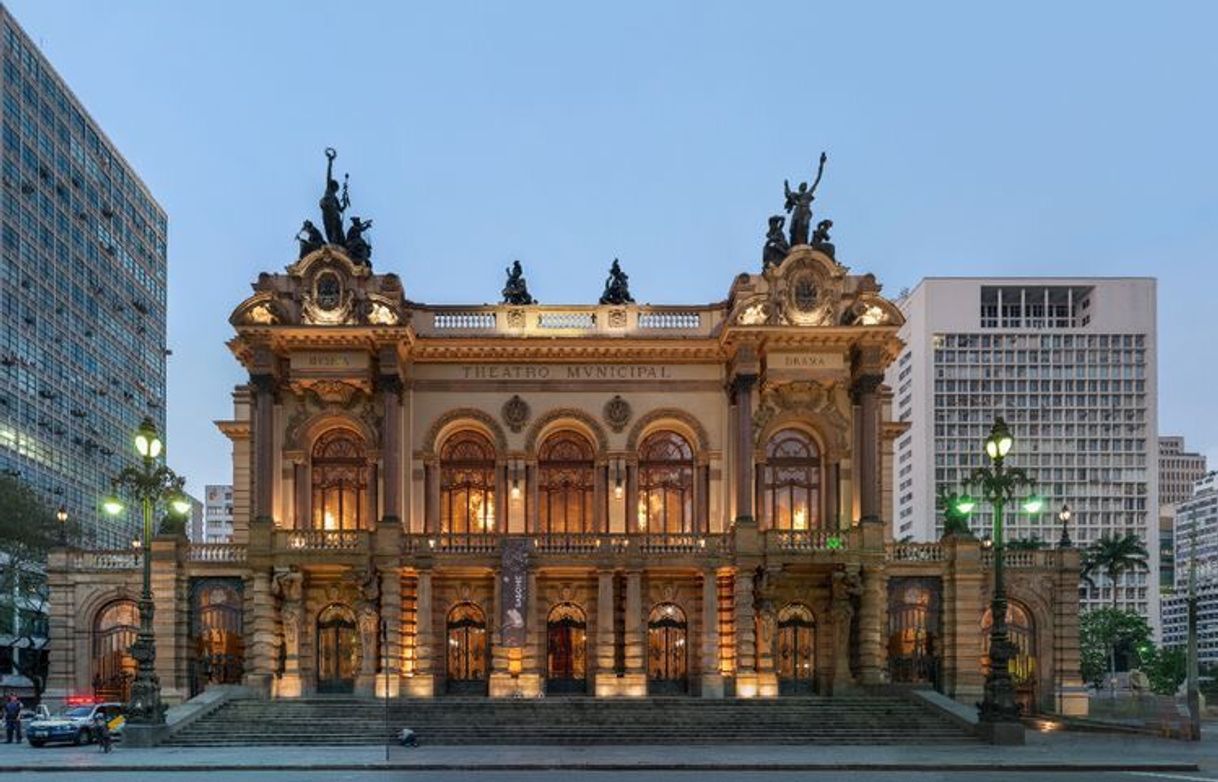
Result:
[[700, 490]]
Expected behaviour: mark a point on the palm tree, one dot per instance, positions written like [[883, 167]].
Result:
[[1114, 555]]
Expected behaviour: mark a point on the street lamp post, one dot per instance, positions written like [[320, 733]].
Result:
[[1063, 516], [999, 713], [61, 516], [151, 484]]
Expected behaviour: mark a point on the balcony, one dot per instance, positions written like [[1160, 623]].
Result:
[[114, 559], [216, 552], [914, 552], [346, 541], [805, 540]]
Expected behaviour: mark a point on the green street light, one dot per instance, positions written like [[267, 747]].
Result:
[[999, 442], [112, 505], [1033, 504], [965, 505], [180, 505], [147, 443]]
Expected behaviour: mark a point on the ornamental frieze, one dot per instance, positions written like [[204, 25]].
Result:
[[826, 406]]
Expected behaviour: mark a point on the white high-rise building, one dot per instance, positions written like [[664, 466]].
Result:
[[217, 513], [1070, 363], [1196, 537]]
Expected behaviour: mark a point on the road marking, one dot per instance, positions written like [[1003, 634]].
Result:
[[1169, 776]]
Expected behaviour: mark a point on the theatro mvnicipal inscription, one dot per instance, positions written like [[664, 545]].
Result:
[[567, 372]]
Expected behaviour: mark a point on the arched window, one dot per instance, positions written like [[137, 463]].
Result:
[[565, 481], [791, 483], [467, 484], [1022, 633], [340, 481], [666, 484], [114, 630]]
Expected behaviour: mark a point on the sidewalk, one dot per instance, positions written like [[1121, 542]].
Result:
[[1062, 752]]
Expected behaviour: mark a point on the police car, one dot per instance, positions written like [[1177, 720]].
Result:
[[76, 724]]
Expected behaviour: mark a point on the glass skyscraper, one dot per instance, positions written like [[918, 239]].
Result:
[[82, 286]]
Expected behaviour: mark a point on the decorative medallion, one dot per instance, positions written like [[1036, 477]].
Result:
[[617, 319], [329, 291], [515, 319], [515, 413], [803, 293], [617, 413]]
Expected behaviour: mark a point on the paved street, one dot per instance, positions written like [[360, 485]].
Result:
[[1045, 757], [668, 776]]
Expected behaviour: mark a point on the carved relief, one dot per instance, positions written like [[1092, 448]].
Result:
[[515, 319], [261, 314], [381, 315], [826, 405], [617, 319], [515, 413], [617, 413]]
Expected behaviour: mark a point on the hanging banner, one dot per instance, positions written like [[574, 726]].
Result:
[[514, 593]]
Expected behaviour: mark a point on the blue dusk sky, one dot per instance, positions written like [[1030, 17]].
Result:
[[968, 139]]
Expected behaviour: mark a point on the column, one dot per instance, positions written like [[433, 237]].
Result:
[[712, 677], [431, 496], [389, 681], [746, 636], [60, 608], [873, 626], [422, 684], [1071, 697], [289, 586], [742, 387], [533, 492], [832, 515], [634, 681], [264, 384], [300, 480], [500, 679], [262, 638], [606, 676], [390, 386], [866, 389], [632, 496]]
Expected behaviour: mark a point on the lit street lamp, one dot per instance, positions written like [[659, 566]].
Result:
[[998, 485], [61, 516], [1063, 516], [151, 484]]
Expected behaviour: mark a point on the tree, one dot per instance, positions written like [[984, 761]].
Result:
[[28, 530], [1104, 630], [1114, 555], [1166, 668]]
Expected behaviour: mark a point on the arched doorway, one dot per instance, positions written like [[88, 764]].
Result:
[[467, 652], [114, 630], [796, 650], [667, 652], [566, 650], [914, 634], [338, 650], [218, 646], [1022, 633]]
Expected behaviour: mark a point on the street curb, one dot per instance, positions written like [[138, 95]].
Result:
[[397, 766]]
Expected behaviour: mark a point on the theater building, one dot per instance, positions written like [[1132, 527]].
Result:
[[611, 500]]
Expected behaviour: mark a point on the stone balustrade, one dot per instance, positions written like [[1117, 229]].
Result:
[[322, 540], [632, 319], [914, 552], [111, 559], [671, 544], [1023, 558], [216, 552], [804, 540]]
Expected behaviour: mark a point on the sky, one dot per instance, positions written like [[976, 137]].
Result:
[[974, 139]]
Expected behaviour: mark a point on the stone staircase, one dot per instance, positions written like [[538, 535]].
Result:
[[870, 719]]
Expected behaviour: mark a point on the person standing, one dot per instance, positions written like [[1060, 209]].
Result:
[[12, 719]]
